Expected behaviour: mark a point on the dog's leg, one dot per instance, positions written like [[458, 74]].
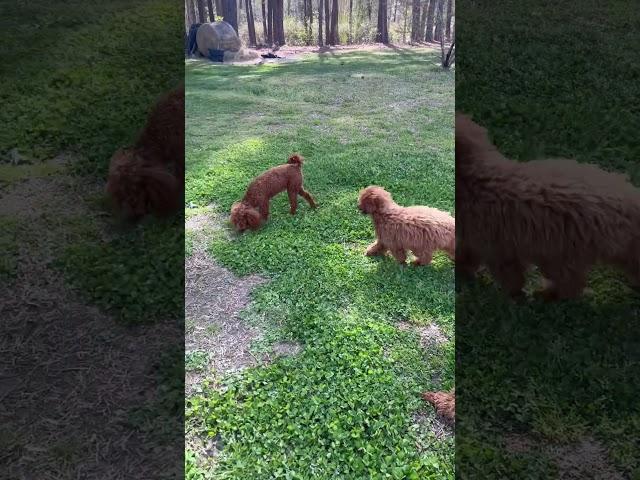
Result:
[[564, 282], [376, 248], [293, 201], [511, 277], [467, 263], [423, 258], [307, 196], [400, 255], [263, 208]]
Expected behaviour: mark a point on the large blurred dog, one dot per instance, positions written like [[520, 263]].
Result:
[[418, 229], [148, 177], [559, 215], [253, 209]]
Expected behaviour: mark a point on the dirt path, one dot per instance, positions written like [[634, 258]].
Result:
[[214, 298]]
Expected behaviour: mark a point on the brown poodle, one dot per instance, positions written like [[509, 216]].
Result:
[[422, 230], [444, 404], [559, 215], [148, 177], [253, 209]]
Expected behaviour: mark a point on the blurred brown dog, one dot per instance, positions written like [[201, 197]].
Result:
[[148, 177], [418, 229], [444, 404], [253, 209], [559, 215]]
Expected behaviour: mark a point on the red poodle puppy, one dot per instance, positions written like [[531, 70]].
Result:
[[559, 215], [148, 177], [418, 229], [444, 404], [253, 209]]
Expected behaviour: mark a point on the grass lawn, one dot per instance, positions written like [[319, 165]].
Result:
[[558, 82], [346, 405]]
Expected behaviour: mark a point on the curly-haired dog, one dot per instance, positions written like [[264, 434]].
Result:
[[253, 209], [148, 177], [559, 215], [418, 229], [444, 404]]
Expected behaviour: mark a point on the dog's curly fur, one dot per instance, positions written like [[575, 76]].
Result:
[[253, 209], [148, 177], [418, 229], [559, 215], [444, 404]]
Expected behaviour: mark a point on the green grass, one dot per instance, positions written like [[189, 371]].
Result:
[[71, 86], [552, 82], [342, 408]]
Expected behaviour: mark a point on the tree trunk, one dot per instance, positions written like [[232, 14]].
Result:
[[201, 16], [449, 17], [423, 18], [320, 20], [265, 35], [428, 37], [404, 27], [395, 11], [327, 23], [304, 17], [277, 17], [270, 22], [193, 17], [212, 15], [350, 39], [369, 9], [439, 21], [251, 23], [230, 13], [334, 24], [382, 34], [219, 8], [416, 34]]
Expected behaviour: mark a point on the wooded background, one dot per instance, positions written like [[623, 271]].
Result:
[[329, 22]]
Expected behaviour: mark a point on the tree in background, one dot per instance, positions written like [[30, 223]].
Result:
[[251, 26], [428, 37], [320, 12], [382, 31], [416, 33], [327, 23], [449, 17], [439, 34], [333, 36], [201, 12], [212, 15]]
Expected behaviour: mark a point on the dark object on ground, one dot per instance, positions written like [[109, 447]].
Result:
[[269, 55], [216, 55], [192, 45]]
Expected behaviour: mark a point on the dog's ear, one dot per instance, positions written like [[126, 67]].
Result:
[[296, 159], [253, 218], [373, 199], [237, 216], [472, 140]]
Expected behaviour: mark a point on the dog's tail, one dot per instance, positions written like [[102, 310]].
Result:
[[296, 159]]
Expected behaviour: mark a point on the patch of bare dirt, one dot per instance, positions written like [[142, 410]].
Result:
[[586, 458], [430, 335], [70, 376], [214, 298], [424, 422]]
